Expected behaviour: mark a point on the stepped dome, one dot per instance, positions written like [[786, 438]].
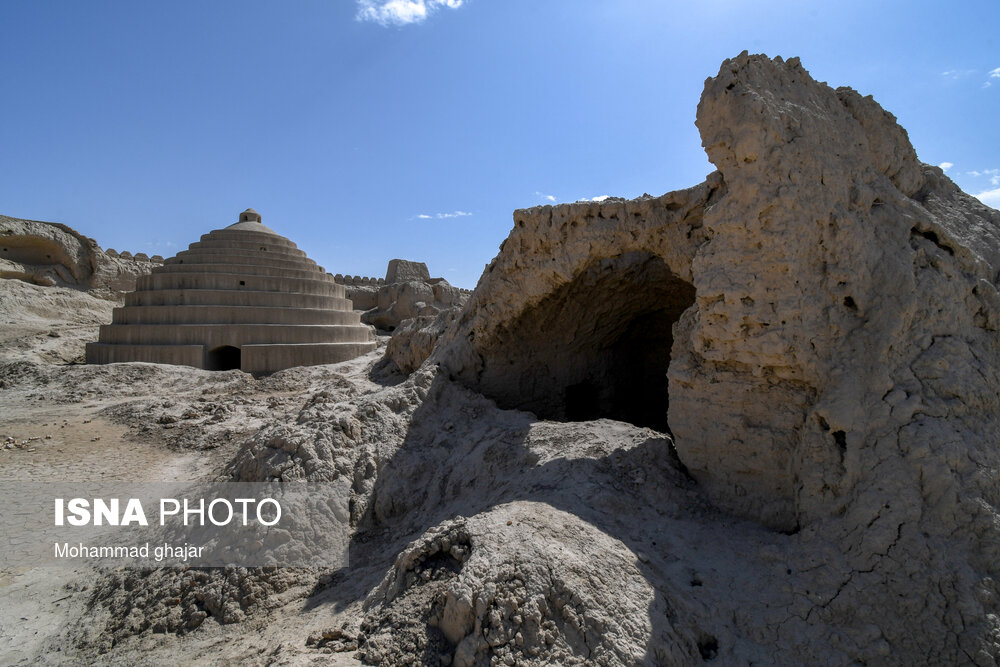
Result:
[[241, 297]]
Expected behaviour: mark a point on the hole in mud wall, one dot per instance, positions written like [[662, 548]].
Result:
[[225, 358], [597, 347], [35, 250]]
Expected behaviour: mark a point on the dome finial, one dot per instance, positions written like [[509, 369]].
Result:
[[249, 215]]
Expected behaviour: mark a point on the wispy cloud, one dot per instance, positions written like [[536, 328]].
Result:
[[545, 196], [401, 12], [600, 198], [959, 74], [993, 174], [945, 166], [443, 216], [990, 197], [956, 74]]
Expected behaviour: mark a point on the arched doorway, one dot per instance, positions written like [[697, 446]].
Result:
[[599, 346], [224, 358]]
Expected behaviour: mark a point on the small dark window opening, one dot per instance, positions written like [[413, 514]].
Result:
[[263, 248], [243, 282]]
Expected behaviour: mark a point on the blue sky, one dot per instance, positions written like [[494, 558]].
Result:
[[371, 129]]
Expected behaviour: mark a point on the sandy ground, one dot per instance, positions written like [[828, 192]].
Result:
[[40, 603], [62, 425], [63, 421], [587, 537]]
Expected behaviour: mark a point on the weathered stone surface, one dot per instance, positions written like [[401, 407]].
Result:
[[49, 253], [364, 297], [414, 340], [408, 291], [831, 276], [573, 319], [829, 306], [401, 301], [403, 271], [489, 588], [30, 314]]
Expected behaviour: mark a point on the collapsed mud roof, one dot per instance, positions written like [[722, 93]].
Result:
[[241, 297]]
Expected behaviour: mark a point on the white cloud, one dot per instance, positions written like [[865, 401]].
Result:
[[945, 166], [956, 74], [545, 196], [995, 73], [401, 12], [994, 175], [443, 216], [990, 197], [601, 198]]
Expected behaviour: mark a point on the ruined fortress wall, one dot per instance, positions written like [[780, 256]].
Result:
[[790, 311]]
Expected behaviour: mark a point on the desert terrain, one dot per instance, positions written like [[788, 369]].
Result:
[[756, 421]]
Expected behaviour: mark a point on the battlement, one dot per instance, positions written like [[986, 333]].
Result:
[[137, 257], [358, 281]]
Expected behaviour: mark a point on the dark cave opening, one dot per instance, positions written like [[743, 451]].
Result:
[[597, 347], [225, 358], [582, 402]]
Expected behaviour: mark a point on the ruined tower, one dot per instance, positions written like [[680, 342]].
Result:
[[241, 297]]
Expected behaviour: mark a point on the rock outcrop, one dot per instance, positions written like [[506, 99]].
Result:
[[491, 588], [844, 298], [573, 319], [404, 271], [407, 291], [401, 301], [414, 339], [816, 325], [49, 253]]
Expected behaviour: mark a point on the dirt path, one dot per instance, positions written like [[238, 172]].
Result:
[[59, 444]]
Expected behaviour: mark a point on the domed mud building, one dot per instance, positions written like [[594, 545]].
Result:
[[241, 297]]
